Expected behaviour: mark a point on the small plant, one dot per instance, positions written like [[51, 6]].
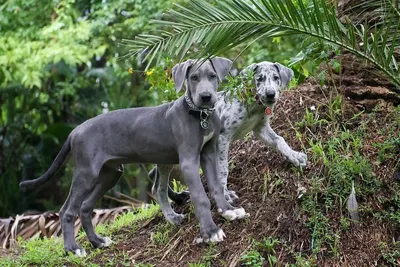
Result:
[[252, 258], [130, 219], [161, 236], [390, 254], [267, 246], [161, 81], [312, 119], [178, 186], [143, 265], [197, 265], [210, 255], [388, 148], [241, 87]]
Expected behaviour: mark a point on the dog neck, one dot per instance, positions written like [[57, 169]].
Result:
[[202, 113]]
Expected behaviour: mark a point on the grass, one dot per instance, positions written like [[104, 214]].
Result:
[[50, 251], [210, 258], [342, 162], [261, 252]]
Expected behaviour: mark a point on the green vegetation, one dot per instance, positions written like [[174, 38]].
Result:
[[228, 24], [50, 251]]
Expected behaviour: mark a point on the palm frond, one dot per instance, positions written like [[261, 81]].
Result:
[[48, 224], [203, 29]]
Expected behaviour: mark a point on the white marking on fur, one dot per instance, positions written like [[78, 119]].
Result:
[[231, 215], [107, 242], [80, 252], [217, 237], [207, 138]]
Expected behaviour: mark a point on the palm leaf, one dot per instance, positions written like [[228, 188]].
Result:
[[212, 29]]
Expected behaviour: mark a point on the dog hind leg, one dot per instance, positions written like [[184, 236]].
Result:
[[178, 197], [108, 177], [82, 183], [160, 190]]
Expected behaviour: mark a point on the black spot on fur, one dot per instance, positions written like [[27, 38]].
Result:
[[223, 118], [234, 122], [241, 118], [222, 130]]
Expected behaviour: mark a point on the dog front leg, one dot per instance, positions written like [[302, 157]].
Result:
[[269, 137], [210, 168], [209, 231]]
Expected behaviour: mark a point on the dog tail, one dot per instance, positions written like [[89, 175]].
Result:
[[55, 166]]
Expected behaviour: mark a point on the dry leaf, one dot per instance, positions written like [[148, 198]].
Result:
[[352, 205]]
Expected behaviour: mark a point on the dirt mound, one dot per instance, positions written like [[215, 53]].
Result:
[[294, 207]]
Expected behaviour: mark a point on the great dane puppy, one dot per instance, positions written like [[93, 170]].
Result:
[[184, 131], [238, 118]]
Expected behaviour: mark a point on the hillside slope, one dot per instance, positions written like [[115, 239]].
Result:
[[297, 216]]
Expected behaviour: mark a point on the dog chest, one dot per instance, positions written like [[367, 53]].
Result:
[[207, 138], [247, 125]]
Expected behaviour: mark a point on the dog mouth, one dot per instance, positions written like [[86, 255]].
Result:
[[267, 102]]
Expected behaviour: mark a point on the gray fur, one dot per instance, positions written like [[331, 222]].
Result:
[[165, 135], [237, 119]]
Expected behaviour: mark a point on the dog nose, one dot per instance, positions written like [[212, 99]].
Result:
[[206, 97], [270, 95]]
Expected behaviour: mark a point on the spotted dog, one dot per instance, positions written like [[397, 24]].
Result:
[[237, 120]]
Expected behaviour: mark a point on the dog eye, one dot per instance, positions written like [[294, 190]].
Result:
[[194, 78], [213, 76], [276, 78]]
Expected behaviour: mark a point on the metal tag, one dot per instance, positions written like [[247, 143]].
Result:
[[204, 124]]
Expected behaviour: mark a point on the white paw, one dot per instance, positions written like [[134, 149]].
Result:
[[298, 159], [217, 237], [107, 242], [235, 214], [80, 252]]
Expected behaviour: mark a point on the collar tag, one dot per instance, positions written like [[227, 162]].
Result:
[[203, 119], [268, 111]]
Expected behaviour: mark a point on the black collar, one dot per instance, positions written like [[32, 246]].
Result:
[[201, 113]]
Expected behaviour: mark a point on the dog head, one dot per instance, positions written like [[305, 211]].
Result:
[[201, 80], [269, 79]]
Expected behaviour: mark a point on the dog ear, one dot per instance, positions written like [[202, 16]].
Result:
[[179, 73], [285, 73], [253, 67], [222, 66]]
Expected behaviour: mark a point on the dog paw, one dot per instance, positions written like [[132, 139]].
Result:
[[235, 214], [106, 242], [218, 236], [80, 252], [230, 196], [298, 159], [175, 219]]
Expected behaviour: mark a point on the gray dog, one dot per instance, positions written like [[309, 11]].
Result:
[[238, 119], [184, 131]]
